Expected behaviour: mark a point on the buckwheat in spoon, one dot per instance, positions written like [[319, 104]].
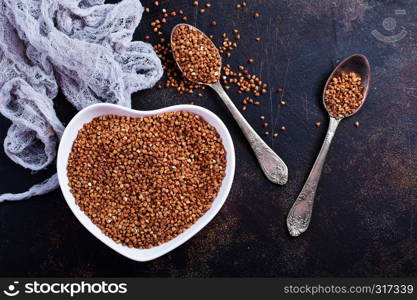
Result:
[[343, 96], [200, 62]]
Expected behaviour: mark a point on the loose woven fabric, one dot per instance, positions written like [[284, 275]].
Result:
[[83, 47]]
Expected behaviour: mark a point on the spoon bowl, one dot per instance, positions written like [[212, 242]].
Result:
[[359, 64], [174, 29]]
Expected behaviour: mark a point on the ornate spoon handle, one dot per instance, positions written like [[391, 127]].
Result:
[[271, 164], [300, 214]]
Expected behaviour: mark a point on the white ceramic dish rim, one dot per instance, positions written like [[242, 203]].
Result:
[[85, 116]]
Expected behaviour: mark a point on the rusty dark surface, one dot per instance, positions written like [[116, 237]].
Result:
[[365, 217]]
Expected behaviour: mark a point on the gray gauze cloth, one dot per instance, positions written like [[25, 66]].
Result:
[[83, 47]]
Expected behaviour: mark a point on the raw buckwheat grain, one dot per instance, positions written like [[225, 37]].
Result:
[[196, 54], [143, 181], [344, 94]]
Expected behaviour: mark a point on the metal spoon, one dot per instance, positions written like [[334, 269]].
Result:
[[272, 165], [300, 214]]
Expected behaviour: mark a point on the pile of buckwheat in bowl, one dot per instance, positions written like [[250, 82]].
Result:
[[143, 181]]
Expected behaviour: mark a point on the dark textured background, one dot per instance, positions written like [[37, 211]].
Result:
[[365, 217]]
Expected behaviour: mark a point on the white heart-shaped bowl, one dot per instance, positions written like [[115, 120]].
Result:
[[89, 113]]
